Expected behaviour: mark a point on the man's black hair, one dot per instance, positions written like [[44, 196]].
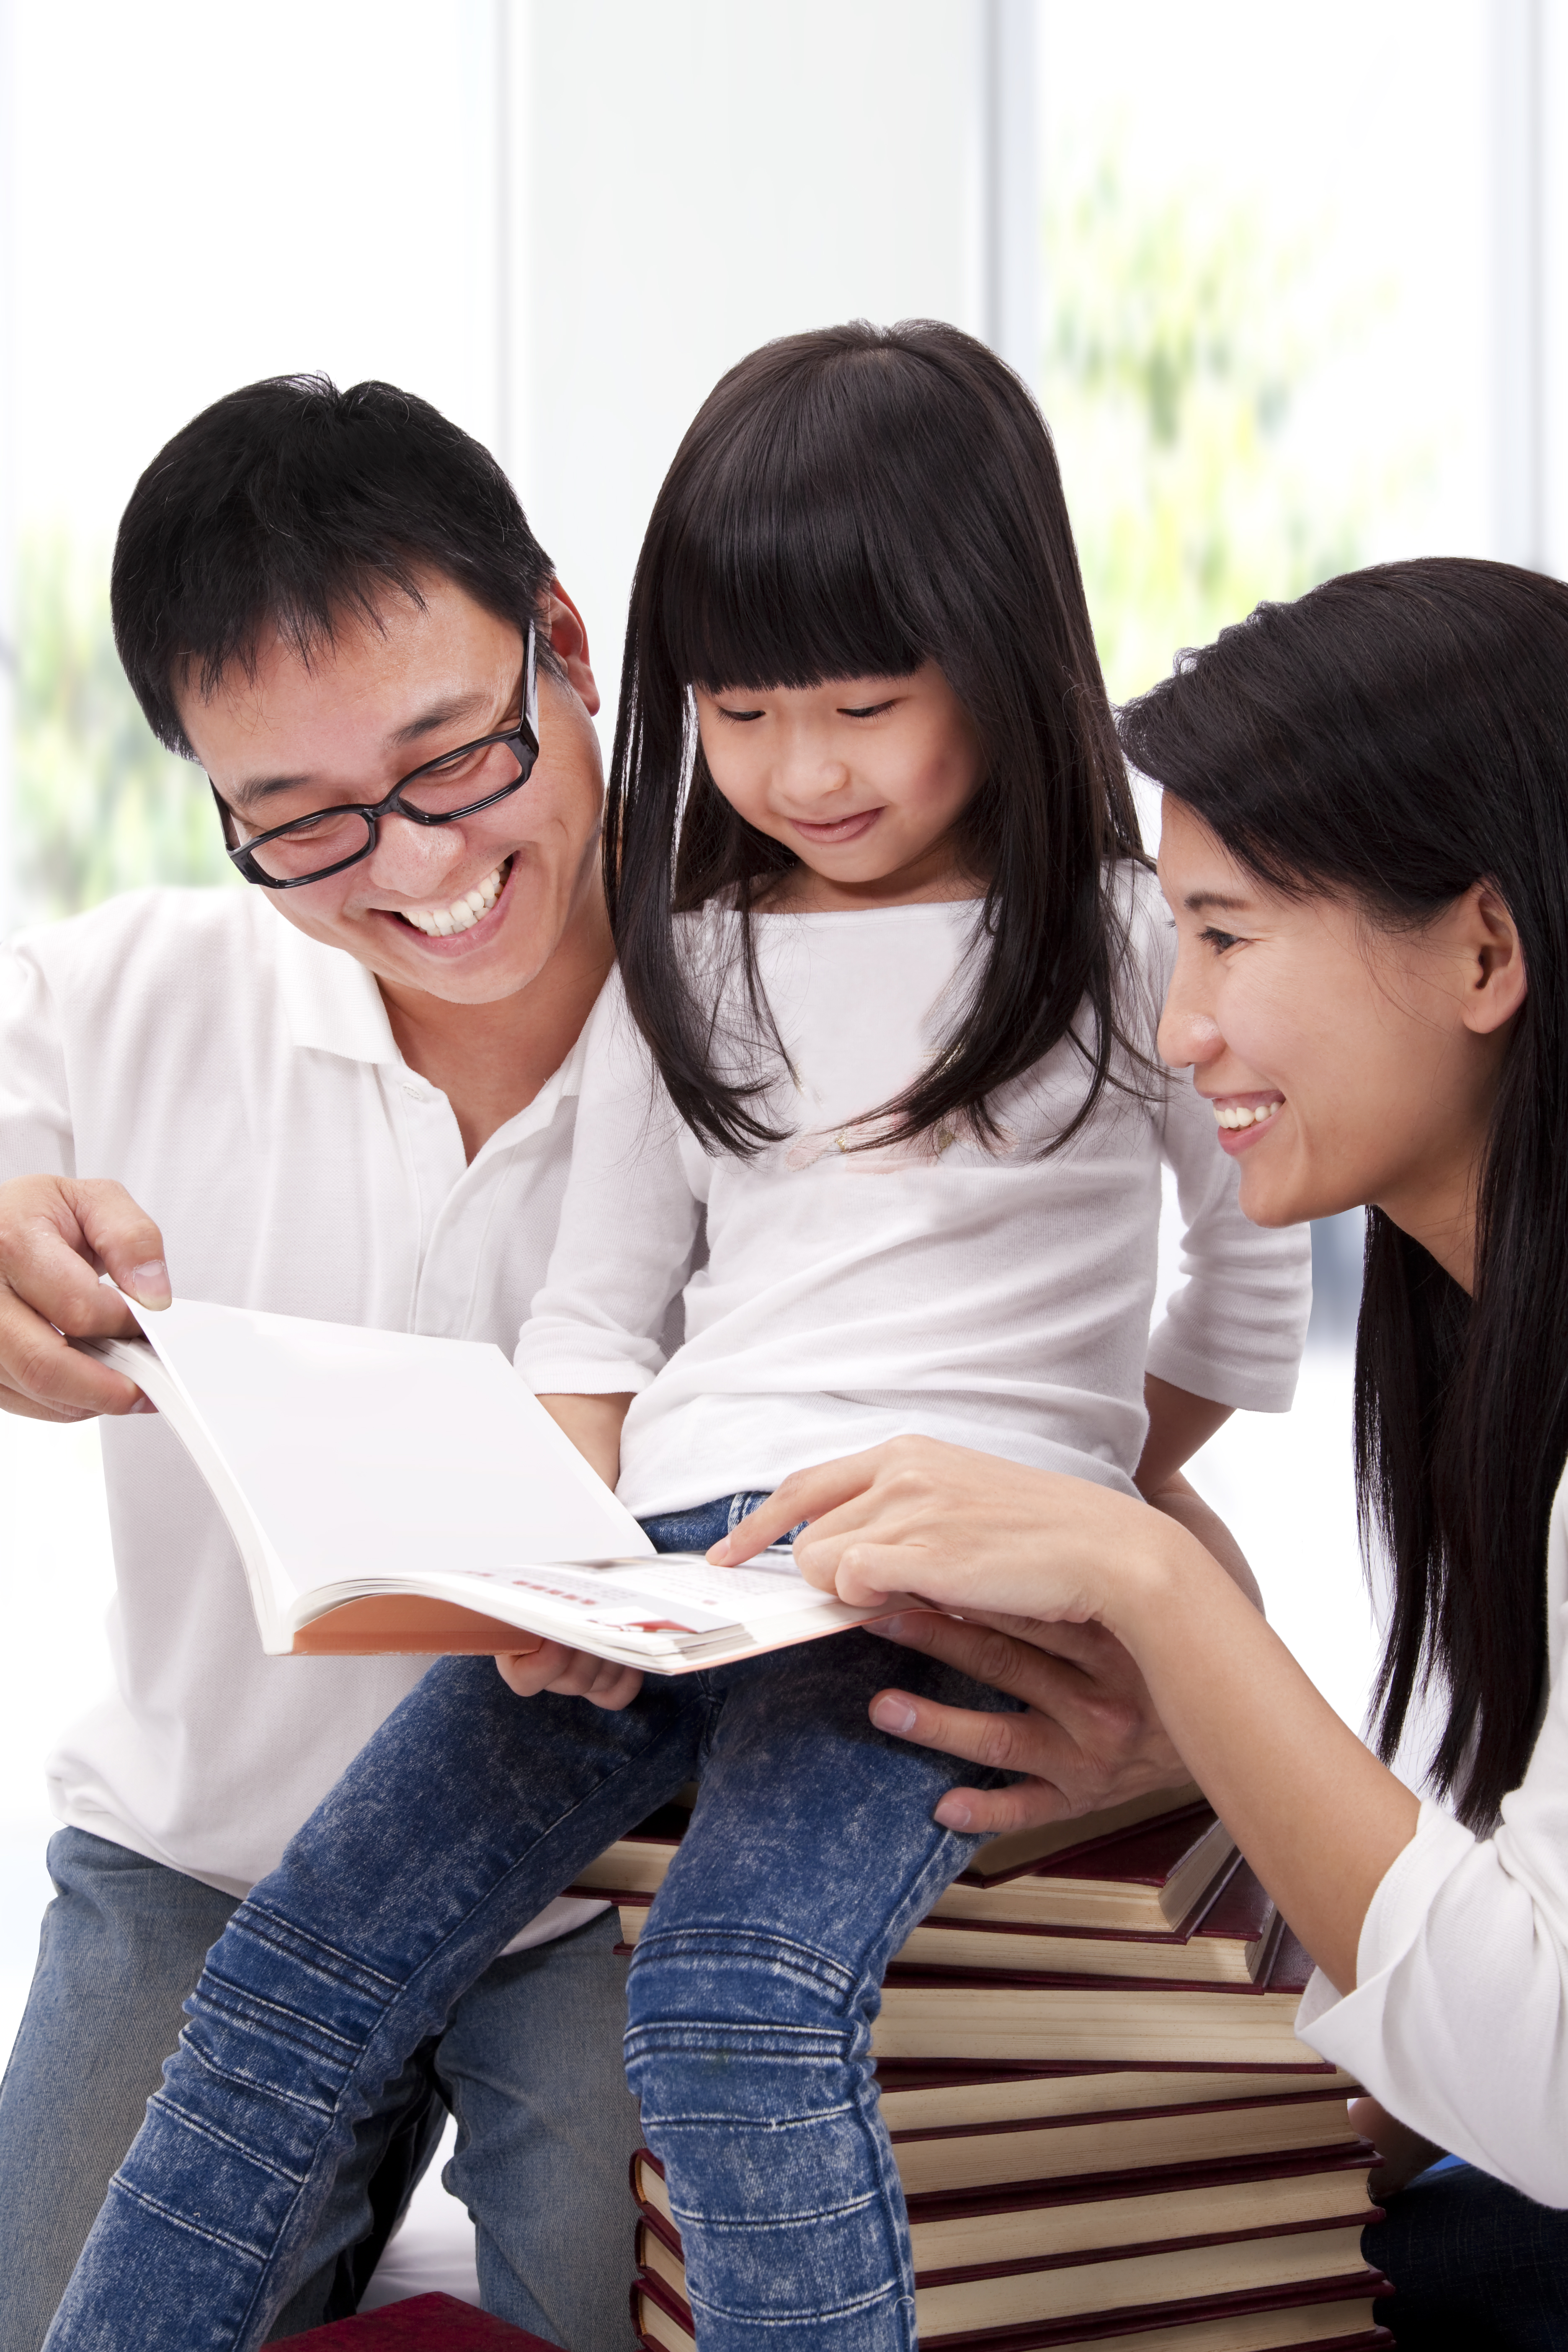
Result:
[[288, 506]]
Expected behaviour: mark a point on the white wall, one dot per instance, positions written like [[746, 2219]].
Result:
[[691, 179]]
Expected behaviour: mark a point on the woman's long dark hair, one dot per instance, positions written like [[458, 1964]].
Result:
[[1395, 737], [853, 503]]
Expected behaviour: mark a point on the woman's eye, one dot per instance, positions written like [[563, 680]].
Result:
[[1218, 940]]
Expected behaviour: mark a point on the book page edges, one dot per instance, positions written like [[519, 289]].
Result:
[[422, 1624]]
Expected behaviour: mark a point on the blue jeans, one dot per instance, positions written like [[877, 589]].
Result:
[[1475, 2266], [811, 1855], [545, 2124]]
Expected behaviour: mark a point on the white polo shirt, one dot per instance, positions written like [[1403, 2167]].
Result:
[[242, 1082]]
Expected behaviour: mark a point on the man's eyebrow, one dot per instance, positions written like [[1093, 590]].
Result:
[[261, 788], [457, 707], [439, 716]]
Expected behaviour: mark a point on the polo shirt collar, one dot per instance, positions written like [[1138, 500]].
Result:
[[331, 1004]]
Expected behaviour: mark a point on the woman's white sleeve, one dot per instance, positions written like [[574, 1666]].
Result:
[[1458, 2023], [1235, 1327], [629, 1225]]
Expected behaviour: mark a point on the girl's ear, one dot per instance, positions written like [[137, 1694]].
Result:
[[1496, 984], [570, 639]]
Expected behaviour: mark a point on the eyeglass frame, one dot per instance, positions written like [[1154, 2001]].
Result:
[[524, 738]]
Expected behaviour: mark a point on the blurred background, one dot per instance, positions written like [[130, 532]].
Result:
[[1284, 278]]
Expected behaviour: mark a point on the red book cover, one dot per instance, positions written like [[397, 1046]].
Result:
[[1144, 1857], [1287, 1973], [423, 2323], [1128, 2186], [1236, 1910], [1061, 2335]]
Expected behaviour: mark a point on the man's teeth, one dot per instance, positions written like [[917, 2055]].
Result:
[[1237, 1114], [441, 922]]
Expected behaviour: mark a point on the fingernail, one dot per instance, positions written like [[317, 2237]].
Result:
[[954, 1814], [891, 1626], [150, 1283], [143, 1405], [890, 1713]]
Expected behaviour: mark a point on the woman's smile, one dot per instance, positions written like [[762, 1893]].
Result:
[[1241, 1118]]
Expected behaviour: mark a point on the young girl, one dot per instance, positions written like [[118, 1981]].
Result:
[[890, 965]]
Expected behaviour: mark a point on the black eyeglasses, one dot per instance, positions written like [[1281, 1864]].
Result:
[[311, 847]]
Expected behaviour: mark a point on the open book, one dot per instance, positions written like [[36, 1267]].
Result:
[[393, 1492]]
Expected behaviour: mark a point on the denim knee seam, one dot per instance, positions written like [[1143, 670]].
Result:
[[178, 2220], [200, 2129]]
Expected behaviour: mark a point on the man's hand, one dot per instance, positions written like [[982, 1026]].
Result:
[[56, 1235], [1088, 1736], [572, 1674]]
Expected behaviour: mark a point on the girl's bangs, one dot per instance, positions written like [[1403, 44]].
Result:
[[783, 593]]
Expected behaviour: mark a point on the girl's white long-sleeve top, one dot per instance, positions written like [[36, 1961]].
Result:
[[988, 1295], [1458, 2023]]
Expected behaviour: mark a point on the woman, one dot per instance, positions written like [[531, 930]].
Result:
[[1365, 852]]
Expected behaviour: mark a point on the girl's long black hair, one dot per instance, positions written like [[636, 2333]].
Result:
[[853, 503], [1395, 737]]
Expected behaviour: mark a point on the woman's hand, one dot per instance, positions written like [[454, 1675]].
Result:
[[571, 1673], [962, 1529], [1088, 1736], [1317, 1816]]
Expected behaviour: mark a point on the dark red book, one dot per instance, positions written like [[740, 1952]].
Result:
[[1121, 1870], [1033, 2226], [423, 2323], [1334, 2315], [1009, 2017], [923, 2096]]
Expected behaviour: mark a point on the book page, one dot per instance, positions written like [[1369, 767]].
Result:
[[383, 1455], [676, 1594]]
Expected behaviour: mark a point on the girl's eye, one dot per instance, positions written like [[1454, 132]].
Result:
[[1218, 940], [870, 710], [740, 718]]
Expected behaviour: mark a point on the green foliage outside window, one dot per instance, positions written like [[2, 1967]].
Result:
[[1181, 343], [99, 806]]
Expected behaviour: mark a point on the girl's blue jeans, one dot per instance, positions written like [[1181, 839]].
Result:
[[811, 1855]]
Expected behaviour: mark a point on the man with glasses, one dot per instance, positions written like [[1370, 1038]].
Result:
[[361, 1111]]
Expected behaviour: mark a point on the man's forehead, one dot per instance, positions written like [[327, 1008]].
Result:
[[285, 710]]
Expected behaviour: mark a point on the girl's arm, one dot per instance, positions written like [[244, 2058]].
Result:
[[1179, 1423], [593, 1425], [1316, 1814]]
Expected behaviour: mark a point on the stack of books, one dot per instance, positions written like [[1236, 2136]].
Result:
[[1108, 2133]]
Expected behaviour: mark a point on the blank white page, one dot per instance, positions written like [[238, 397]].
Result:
[[366, 1453]]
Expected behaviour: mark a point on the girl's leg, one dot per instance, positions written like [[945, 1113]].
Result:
[[1476, 2266], [465, 1814], [811, 1855]]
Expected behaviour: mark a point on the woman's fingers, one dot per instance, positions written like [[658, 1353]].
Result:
[[805, 1494]]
